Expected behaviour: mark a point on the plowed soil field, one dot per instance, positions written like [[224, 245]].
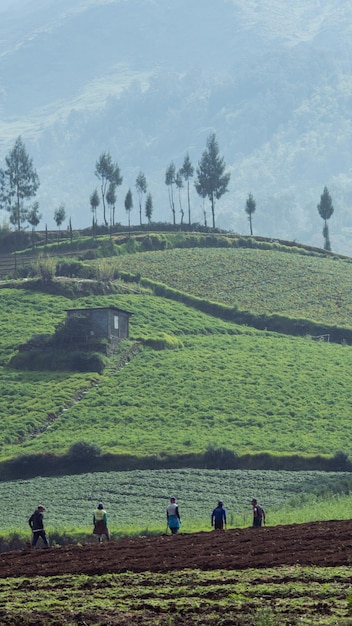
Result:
[[318, 543]]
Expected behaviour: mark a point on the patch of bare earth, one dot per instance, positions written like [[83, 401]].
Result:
[[317, 543]]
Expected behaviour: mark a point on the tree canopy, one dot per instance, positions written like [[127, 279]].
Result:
[[325, 209], [108, 173], [60, 215], [18, 183], [170, 179], [141, 186], [129, 205], [250, 209], [187, 172], [149, 207], [212, 180], [94, 203]]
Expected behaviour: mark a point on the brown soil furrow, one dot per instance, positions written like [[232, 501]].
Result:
[[317, 543]]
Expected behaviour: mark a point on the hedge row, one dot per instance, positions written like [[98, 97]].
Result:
[[84, 457]]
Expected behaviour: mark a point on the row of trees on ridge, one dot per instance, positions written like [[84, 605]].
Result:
[[19, 183], [211, 182]]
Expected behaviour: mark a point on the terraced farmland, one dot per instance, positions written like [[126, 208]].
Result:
[[262, 281]]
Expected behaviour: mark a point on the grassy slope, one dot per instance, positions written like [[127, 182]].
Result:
[[262, 281], [228, 386]]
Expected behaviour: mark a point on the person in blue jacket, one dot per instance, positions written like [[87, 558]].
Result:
[[218, 517], [173, 516]]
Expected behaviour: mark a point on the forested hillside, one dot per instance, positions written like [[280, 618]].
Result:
[[140, 80]]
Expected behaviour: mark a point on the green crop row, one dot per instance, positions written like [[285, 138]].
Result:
[[136, 501], [285, 596]]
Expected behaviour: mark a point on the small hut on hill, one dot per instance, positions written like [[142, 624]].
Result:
[[100, 323]]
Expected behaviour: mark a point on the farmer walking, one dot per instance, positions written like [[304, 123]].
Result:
[[100, 521], [218, 517], [173, 516], [258, 513], [36, 523]]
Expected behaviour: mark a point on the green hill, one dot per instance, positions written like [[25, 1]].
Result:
[[276, 280], [197, 383]]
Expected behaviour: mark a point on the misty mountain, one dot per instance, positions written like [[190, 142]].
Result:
[[149, 80]]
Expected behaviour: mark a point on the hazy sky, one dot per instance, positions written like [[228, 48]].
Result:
[[9, 4]]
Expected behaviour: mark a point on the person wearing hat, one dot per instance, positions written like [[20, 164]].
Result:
[[36, 523], [218, 517], [173, 516], [100, 521], [258, 513]]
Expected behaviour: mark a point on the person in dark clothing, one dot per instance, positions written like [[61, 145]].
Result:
[[36, 523], [100, 521], [218, 517], [258, 513]]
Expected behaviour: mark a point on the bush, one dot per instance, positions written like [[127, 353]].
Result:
[[105, 270], [220, 458], [89, 255], [153, 242], [341, 462], [59, 360], [85, 362], [107, 248], [83, 450], [69, 267], [46, 268]]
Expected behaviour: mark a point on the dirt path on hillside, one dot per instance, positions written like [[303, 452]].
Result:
[[317, 543]]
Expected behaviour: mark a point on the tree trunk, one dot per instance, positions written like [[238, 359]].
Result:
[[189, 204], [213, 209], [173, 205]]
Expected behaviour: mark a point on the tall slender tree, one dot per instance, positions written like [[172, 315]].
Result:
[[19, 183], [94, 203], [34, 218], [187, 172], [179, 185], [170, 176], [111, 202], [104, 169], [149, 207], [250, 209], [141, 186], [129, 207], [212, 180], [326, 210], [108, 173], [116, 180], [60, 216]]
